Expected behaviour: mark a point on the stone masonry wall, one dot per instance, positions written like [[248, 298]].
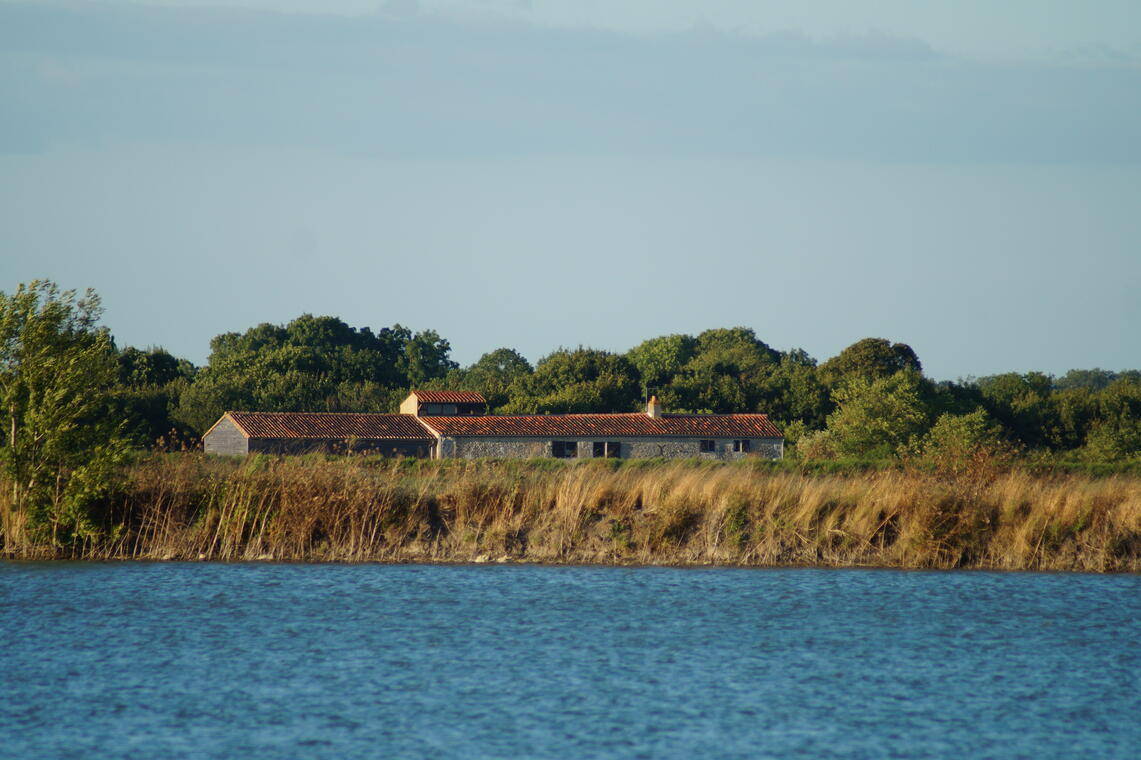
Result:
[[631, 448], [382, 446]]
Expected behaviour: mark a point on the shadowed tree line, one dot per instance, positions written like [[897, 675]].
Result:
[[870, 401], [72, 402]]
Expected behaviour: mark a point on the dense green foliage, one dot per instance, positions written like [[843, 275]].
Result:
[[312, 364], [58, 371], [869, 402]]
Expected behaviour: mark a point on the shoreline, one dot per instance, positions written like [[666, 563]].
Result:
[[514, 562]]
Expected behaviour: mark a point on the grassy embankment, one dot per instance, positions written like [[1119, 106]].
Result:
[[195, 507]]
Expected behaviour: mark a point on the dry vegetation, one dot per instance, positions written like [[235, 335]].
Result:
[[193, 507]]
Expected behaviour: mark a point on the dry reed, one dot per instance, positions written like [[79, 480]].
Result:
[[188, 506]]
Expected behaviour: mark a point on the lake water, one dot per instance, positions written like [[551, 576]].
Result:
[[361, 661]]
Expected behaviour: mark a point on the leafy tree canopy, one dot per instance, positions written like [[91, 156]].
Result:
[[956, 441], [721, 370], [1094, 379], [313, 364], [493, 375], [869, 359], [57, 369], [879, 417], [660, 360], [152, 367], [583, 380], [150, 385], [1023, 404]]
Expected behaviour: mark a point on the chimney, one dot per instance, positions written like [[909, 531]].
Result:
[[654, 408]]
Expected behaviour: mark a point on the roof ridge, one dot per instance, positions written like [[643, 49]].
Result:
[[715, 414], [376, 414]]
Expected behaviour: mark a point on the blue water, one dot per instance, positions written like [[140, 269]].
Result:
[[356, 661]]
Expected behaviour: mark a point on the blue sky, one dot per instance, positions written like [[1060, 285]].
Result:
[[961, 176]]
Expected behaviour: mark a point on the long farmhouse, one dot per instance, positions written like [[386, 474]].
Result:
[[455, 424]]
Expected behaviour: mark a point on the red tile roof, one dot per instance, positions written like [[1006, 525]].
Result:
[[330, 425], [450, 397], [608, 425]]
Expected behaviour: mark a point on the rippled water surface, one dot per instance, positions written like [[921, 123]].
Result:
[[336, 661]]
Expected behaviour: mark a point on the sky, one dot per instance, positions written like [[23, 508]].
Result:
[[964, 177]]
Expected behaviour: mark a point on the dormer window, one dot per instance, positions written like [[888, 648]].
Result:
[[439, 410], [444, 404]]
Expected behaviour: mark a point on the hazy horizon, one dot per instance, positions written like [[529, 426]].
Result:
[[547, 174]]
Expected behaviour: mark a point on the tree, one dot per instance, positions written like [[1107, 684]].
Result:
[[492, 375], [1023, 404], [878, 418], [150, 385], [57, 369], [584, 380], [956, 441], [426, 358], [1117, 432], [659, 360], [869, 359], [728, 372], [1094, 379], [793, 393], [313, 364]]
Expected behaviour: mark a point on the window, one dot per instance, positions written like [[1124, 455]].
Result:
[[439, 410], [741, 445], [707, 446], [607, 449], [564, 449]]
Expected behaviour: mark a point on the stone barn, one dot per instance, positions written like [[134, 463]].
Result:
[[583, 436], [299, 432], [455, 424]]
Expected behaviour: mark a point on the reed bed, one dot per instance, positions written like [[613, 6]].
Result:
[[192, 507]]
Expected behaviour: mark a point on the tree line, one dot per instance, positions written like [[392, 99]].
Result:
[[871, 400], [72, 402]]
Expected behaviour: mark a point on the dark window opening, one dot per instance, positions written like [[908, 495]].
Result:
[[741, 445], [439, 410], [607, 449], [564, 449], [707, 446]]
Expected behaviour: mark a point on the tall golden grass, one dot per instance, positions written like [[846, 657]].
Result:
[[188, 506]]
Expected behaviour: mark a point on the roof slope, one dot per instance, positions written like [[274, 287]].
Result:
[[450, 397], [338, 425], [605, 425]]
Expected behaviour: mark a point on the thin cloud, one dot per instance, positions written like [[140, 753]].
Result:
[[408, 83]]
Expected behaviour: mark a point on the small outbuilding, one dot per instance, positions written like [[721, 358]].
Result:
[[300, 432]]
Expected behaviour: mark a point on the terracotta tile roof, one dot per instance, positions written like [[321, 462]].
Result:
[[608, 425], [330, 425], [450, 397]]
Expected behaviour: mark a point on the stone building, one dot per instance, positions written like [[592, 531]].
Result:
[[302, 432], [454, 424]]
